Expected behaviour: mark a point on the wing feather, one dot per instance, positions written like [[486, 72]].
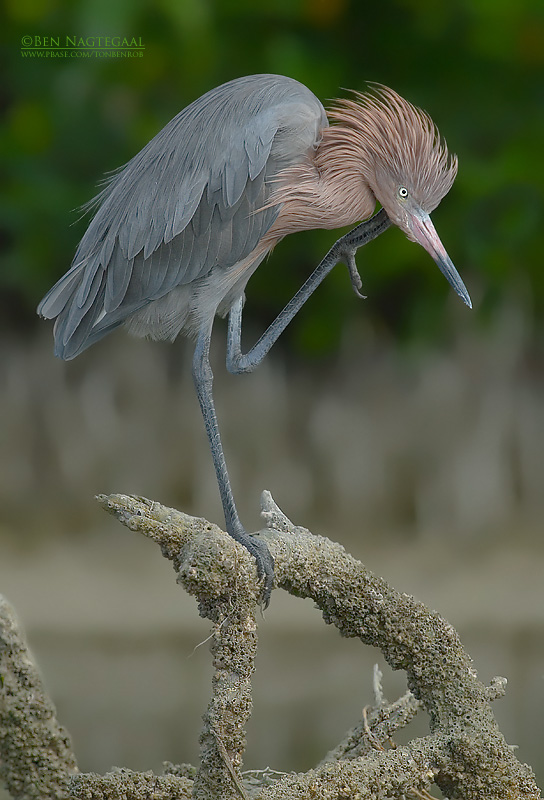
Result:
[[88, 285], [119, 273], [78, 311]]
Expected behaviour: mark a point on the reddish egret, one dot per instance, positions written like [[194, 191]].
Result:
[[182, 227]]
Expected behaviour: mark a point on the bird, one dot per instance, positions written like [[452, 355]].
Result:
[[179, 230]]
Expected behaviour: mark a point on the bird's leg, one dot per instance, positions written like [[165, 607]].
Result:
[[343, 250], [203, 380]]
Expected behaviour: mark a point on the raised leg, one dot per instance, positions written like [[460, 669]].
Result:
[[343, 250], [203, 380]]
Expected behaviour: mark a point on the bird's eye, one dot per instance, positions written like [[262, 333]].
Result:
[[403, 192]]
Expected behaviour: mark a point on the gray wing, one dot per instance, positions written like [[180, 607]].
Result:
[[184, 204]]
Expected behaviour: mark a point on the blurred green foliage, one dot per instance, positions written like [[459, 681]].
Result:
[[475, 65]]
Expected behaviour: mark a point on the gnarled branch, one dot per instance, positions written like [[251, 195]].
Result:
[[465, 754], [36, 758]]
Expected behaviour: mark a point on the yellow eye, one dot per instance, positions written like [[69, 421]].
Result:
[[403, 192]]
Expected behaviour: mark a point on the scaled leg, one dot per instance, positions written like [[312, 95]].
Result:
[[203, 380]]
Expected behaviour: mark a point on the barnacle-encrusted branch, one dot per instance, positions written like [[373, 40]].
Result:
[[466, 755], [36, 758]]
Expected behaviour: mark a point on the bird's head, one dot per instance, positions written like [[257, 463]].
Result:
[[406, 165]]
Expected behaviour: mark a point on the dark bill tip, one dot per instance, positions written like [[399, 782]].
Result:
[[425, 234], [446, 268]]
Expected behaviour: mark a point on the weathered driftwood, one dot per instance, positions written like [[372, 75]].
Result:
[[465, 753]]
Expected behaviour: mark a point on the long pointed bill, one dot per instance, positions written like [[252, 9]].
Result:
[[425, 234]]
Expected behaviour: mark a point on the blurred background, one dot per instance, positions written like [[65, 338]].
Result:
[[404, 426]]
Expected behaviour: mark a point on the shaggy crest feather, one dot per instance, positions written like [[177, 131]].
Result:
[[382, 129]]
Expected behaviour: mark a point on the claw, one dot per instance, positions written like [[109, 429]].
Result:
[[265, 563], [265, 570], [355, 278]]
